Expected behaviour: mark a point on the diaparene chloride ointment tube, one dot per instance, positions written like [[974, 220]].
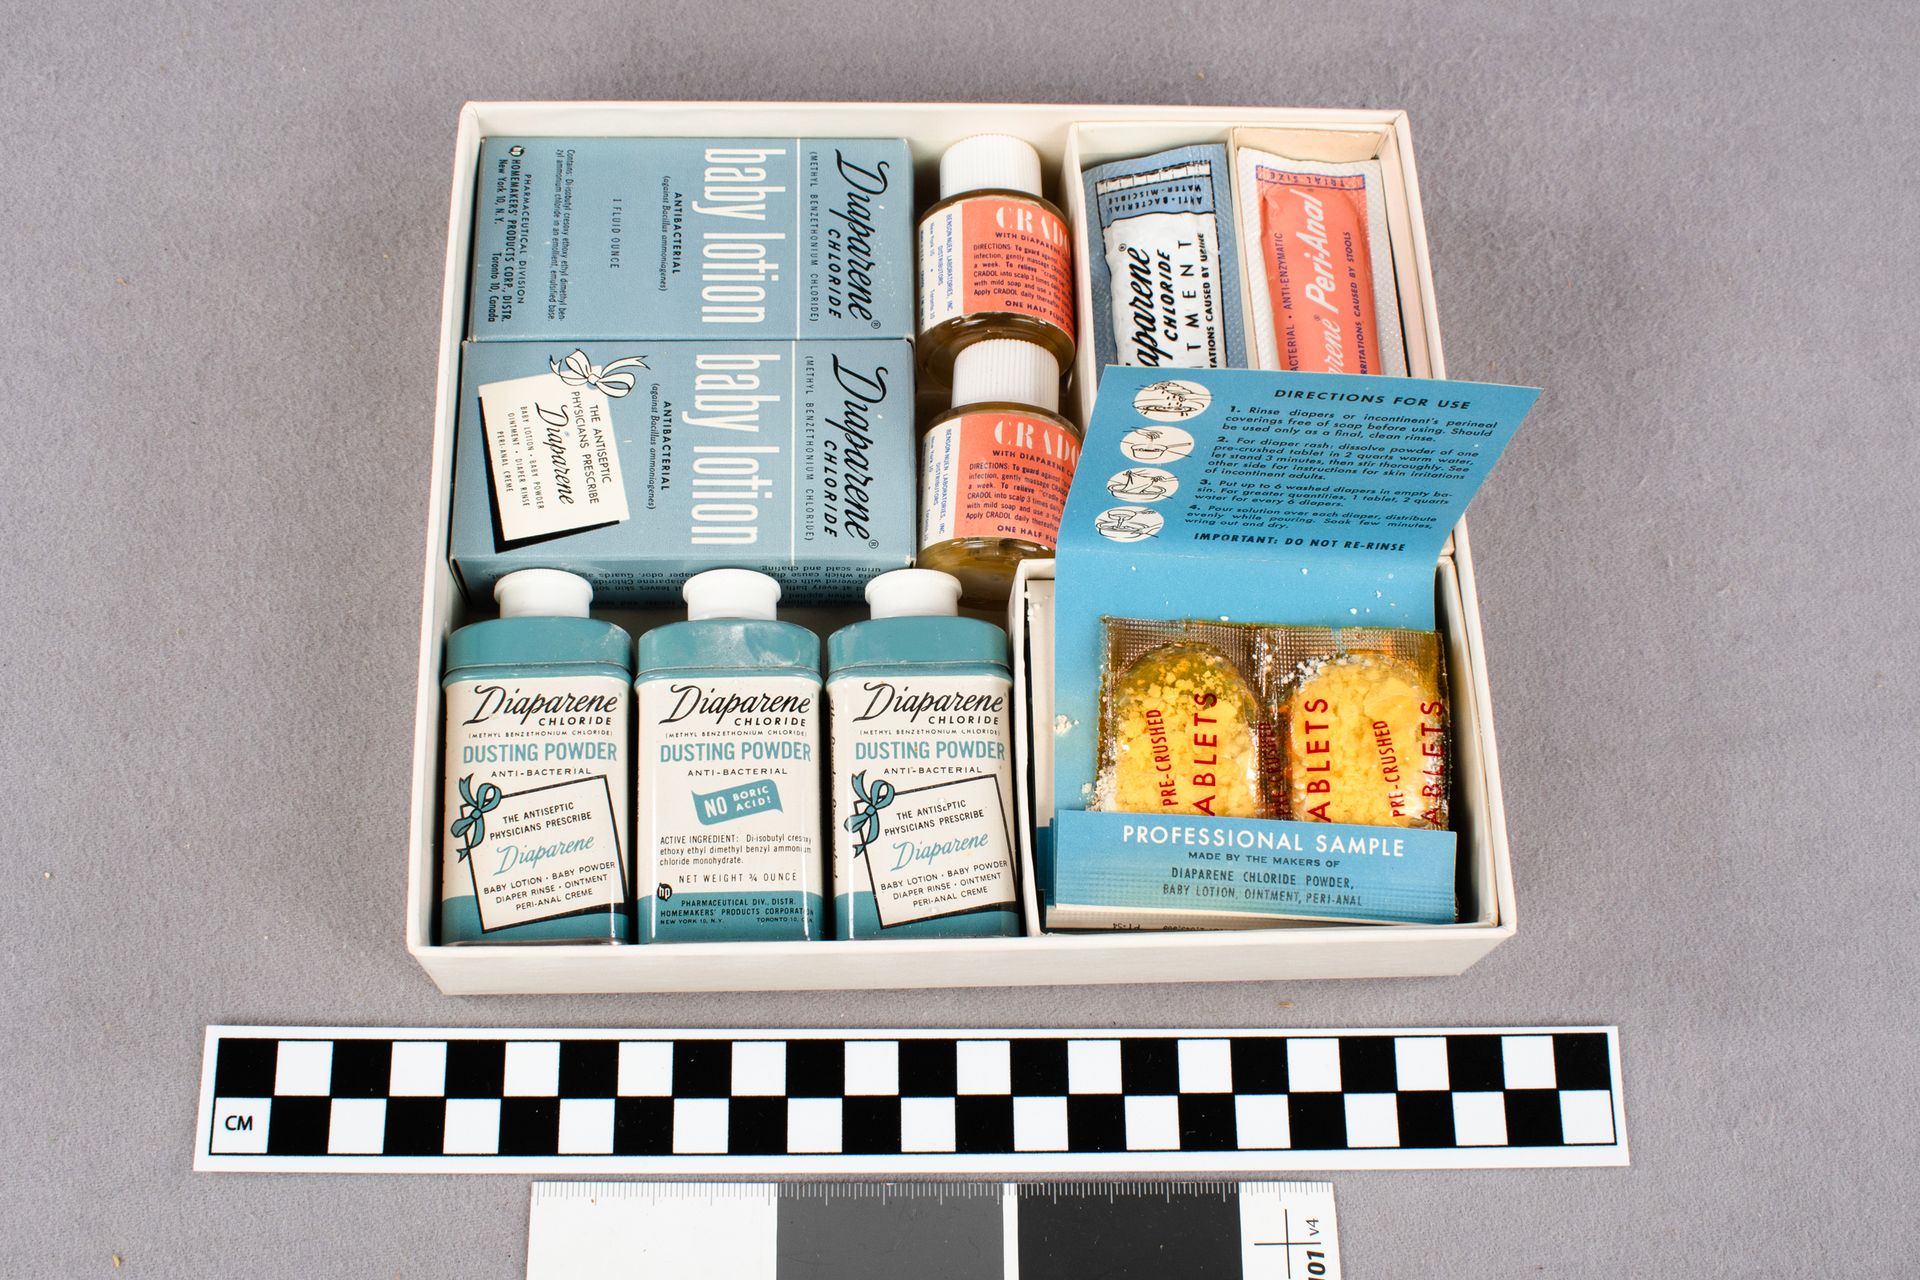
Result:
[[1166, 270]]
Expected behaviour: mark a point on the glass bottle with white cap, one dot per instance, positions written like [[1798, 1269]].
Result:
[[995, 256], [534, 835], [995, 468], [729, 768], [923, 803]]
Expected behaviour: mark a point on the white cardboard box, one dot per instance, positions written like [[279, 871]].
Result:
[[1067, 137]]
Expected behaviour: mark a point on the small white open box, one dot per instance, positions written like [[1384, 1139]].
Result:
[[1067, 138]]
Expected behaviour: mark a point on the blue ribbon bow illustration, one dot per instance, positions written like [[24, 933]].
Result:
[[864, 822], [471, 825], [578, 371]]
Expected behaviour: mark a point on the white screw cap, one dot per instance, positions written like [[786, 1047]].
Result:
[[730, 593], [989, 160], [543, 593], [914, 593], [1006, 369]]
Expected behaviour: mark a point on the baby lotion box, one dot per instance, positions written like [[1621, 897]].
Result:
[[579, 238], [638, 464]]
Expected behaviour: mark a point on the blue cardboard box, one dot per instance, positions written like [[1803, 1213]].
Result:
[[657, 238], [639, 464]]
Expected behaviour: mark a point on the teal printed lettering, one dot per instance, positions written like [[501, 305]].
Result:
[[908, 852], [512, 855]]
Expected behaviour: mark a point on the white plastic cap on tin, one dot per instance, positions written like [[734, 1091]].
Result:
[[989, 160], [914, 593], [730, 593], [1006, 369], [543, 593]]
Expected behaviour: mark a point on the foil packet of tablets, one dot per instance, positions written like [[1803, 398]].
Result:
[[1255, 720]]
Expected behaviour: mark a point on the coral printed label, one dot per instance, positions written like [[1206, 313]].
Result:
[[995, 254], [996, 475], [1319, 270], [551, 450]]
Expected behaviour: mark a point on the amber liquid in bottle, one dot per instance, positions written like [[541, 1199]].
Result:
[[940, 342], [995, 468], [995, 258]]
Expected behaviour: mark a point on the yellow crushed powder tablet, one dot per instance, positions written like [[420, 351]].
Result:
[[1182, 733], [1366, 744]]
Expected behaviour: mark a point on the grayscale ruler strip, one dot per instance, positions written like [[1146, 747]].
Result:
[[933, 1231], [894, 1102]]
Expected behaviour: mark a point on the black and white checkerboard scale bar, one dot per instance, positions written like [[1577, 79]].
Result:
[[889, 1103]]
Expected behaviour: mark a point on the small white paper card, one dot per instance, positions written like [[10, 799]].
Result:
[[554, 457], [1288, 1229], [549, 852], [943, 849]]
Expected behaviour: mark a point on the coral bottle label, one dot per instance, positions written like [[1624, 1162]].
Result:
[[995, 254], [996, 475], [922, 796], [535, 813]]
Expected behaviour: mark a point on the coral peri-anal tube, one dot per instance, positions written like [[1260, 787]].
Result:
[[1314, 233], [1322, 294]]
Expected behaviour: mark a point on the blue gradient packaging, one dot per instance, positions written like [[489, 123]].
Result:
[[657, 238], [639, 464], [1222, 501], [1165, 269]]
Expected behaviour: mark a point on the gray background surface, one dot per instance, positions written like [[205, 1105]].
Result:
[[221, 237]]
